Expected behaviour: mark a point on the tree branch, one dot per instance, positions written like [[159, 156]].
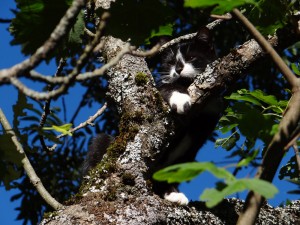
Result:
[[35, 180], [146, 126], [68, 80], [47, 105], [87, 122], [42, 52], [287, 126], [284, 69]]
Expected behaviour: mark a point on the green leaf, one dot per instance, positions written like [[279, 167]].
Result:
[[64, 129], [227, 143], [264, 188], [166, 29], [221, 6], [247, 160], [295, 68], [77, 32], [225, 129], [136, 20], [187, 171], [19, 109], [260, 95], [269, 16], [255, 97], [11, 161], [252, 123], [34, 22], [238, 97]]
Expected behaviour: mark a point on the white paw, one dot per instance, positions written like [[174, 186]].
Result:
[[180, 102], [177, 197]]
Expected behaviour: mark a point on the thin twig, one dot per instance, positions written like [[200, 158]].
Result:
[[5, 20], [46, 108], [104, 68], [87, 122], [227, 16], [148, 53], [174, 41], [35, 180], [88, 32]]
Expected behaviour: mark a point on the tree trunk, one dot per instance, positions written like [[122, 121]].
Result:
[[119, 189]]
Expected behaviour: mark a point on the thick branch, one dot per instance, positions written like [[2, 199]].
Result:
[[118, 190]]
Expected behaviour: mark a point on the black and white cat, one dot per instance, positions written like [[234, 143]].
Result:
[[180, 64]]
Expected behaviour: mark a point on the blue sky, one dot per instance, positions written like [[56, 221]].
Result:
[[10, 55]]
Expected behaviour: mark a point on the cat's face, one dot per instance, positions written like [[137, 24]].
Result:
[[187, 59]]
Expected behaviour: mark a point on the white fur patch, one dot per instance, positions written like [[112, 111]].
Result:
[[188, 70], [179, 100], [177, 197]]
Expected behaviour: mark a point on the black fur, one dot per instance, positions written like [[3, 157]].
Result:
[[193, 127], [96, 151]]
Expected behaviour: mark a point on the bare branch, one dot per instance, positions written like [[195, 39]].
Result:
[[42, 52], [88, 32], [87, 122], [101, 71], [210, 26], [35, 180], [68, 80], [46, 108]]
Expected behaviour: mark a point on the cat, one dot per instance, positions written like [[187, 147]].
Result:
[[180, 64]]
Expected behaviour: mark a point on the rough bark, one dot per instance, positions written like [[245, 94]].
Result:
[[118, 190]]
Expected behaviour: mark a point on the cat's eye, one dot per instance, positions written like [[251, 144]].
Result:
[[191, 58]]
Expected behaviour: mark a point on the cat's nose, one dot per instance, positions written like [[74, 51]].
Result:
[[179, 67]]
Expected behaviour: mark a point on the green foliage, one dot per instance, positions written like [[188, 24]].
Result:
[[10, 163], [220, 6], [139, 20], [296, 68], [213, 196], [36, 19], [252, 114], [290, 170], [269, 16], [76, 33], [163, 30], [187, 171], [64, 129]]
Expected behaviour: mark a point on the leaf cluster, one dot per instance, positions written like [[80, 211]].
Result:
[[187, 171]]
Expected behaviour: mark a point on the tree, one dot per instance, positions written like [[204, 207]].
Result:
[[119, 189]]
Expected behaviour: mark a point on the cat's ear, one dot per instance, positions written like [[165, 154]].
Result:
[[203, 35]]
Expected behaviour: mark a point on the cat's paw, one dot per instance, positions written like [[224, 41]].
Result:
[[180, 102], [177, 197]]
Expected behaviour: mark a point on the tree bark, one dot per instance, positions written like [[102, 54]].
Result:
[[119, 189]]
